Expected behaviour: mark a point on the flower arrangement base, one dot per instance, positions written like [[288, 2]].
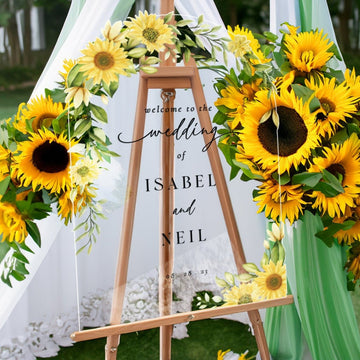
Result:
[[323, 314]]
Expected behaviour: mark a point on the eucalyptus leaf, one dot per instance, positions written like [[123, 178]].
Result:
[[81, 127], [99, 113]]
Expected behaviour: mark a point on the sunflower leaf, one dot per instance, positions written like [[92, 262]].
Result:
[[19, 256], [34, 232], [333, 181], [219, 118], [305, 178], [327, 236], [4, 249], [75, 76], [4, 184]]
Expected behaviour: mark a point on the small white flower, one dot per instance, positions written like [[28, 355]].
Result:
[[114, 33], [84, 171], [78, 94]]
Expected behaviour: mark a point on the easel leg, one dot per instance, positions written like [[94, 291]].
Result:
[[128, 221], [227, 208], [166, 246]]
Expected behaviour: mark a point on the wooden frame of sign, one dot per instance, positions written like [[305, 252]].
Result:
[[168, 78]]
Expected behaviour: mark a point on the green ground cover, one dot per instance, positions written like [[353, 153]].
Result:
[[206, 337]]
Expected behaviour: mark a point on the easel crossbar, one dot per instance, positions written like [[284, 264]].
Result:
[[177, 319]]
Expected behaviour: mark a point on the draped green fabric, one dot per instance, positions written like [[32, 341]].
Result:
[[323, 312], [325, 307]]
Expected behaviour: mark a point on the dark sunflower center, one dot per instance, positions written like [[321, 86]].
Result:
[[150, 34], [336, 169], [273, 282], [104, 60], [292, 132], [327, 105], [245, 299], [50, 157]]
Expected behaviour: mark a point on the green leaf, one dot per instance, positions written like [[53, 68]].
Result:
[[302, 92], [309, 179], [58, 95], [327, 236], [4, 184], [220, 118], [81, 127], [270, 36], [333, 181], [326, 189], [17, 275], [4, 249], [21, 268], [183, 23], [75, 76], [34, 232], [6, 280], [21, 257], [99, 113], [284, 178]]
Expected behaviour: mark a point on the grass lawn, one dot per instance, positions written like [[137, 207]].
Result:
[[9, 101], [206, 337]]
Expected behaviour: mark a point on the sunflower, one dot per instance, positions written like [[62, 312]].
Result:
[[104, 61], [4, 162], [288, 205], [236, 99], [243, 41], [336, 104], [278, 149], [308, 51], [44, 161], [342, 161], [150, 30], [352, 82], [271, 284], [12, 224], [237, 295], [66, 207], [40, 110], [68, 64], [353, 262], [351, 235]]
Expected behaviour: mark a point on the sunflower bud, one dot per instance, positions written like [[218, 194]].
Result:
[[264, 260]]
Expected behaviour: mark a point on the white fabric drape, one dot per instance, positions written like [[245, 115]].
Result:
[[46, 302]]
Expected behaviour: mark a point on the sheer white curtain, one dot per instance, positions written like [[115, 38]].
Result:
[[46, 303]]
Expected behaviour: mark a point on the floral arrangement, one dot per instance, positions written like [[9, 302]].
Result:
[[54, 148], [290, 121]]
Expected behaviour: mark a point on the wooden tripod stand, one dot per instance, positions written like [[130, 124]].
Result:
[[168, 78]]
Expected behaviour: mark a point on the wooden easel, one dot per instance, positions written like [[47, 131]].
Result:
[[168, 78]]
